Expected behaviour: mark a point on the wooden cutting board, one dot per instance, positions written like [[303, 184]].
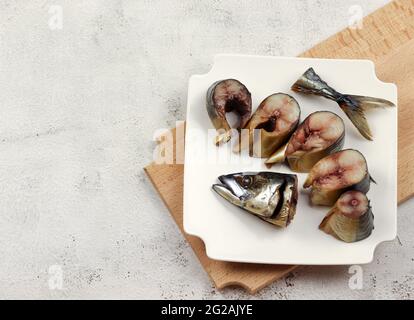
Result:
[[386, 39]]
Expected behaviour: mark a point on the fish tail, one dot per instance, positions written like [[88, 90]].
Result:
[[355, 107], [355, 112], [311, 83], [367, 103]]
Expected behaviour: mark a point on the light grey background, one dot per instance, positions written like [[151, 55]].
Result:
[[79, 107]]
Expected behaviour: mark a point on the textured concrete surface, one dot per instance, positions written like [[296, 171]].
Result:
[[79, 106]]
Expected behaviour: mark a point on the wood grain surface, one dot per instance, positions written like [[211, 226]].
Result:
[[398, 67], [386, 39]]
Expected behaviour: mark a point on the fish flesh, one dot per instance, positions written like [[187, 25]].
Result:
[[319, 135], [224, 96], [271, 125], [333, 175], [354, 106], [351, 219], [271, 196]]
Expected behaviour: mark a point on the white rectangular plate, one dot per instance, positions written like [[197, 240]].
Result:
[[231, 234]]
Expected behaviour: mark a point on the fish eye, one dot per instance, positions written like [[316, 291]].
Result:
[[246, 181]]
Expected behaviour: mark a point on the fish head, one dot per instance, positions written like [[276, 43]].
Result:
[[258, 193]]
